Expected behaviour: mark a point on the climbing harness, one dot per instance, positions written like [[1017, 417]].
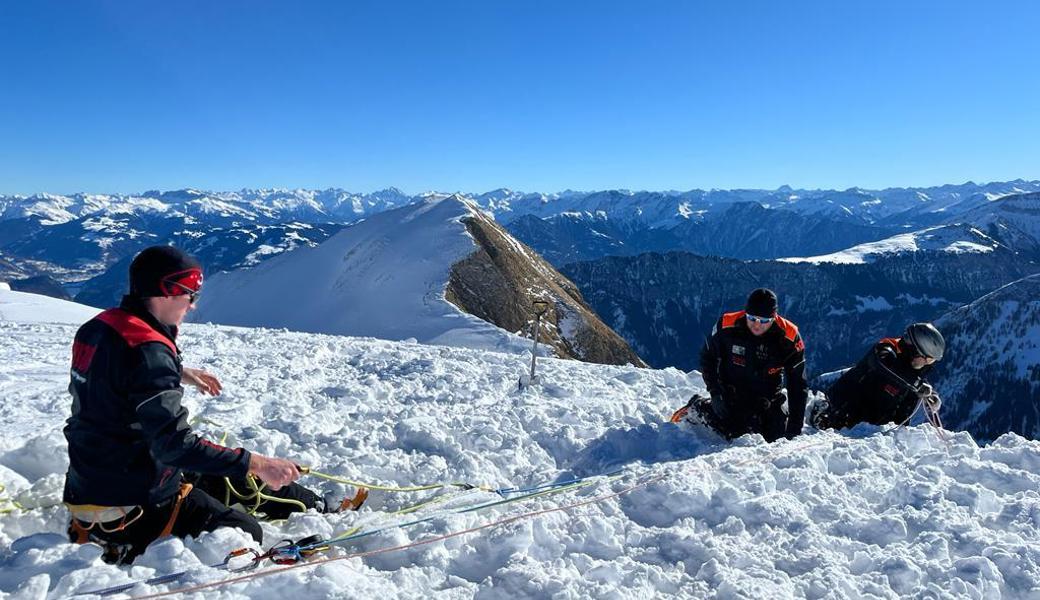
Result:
[[89, 520]]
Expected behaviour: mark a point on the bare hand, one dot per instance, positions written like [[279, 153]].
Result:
[[275, 472], [206, 382]]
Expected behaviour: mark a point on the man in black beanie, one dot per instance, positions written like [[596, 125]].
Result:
[[128, 436], [744, 362]]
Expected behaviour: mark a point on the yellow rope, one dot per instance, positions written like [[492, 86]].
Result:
[[257, 495], [372, 486], [4, 500], [389, 488]]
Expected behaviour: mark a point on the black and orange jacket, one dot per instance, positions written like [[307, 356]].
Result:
[[881, 388], [748, 372], [128, 434]]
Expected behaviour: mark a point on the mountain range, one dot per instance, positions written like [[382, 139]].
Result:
[[657, 268], [73, 238]]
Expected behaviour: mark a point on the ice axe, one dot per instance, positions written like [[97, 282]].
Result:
[[540, 307]]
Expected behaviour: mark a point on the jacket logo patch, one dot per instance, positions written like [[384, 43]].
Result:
[[738, 350], [82, 354], [739, 361], [891, 390]]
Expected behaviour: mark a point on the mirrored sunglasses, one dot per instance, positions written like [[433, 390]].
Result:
[[193, 295]]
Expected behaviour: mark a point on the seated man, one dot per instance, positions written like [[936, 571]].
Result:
[[744, 362], [887, 384], [128, 434]]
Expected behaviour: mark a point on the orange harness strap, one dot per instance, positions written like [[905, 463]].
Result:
[[83, 533], [181, 495]]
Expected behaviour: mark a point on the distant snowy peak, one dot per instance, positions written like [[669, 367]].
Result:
[[1013, 220], [49, 209], [247, 205], [993, 352], [950, 239]]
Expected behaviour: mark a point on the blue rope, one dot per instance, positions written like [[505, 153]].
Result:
[[296, 550], [517, 490]]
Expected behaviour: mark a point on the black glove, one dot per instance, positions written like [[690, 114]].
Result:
[[718, 405]]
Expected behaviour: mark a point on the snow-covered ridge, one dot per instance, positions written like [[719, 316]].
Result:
[[952, 239], [21, 307], [384, 277], [825, 515]]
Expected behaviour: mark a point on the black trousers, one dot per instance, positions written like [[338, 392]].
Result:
[[200, 511], [768, 418]]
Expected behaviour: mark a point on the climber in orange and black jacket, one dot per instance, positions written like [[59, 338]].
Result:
[[745, 362], [887, 385]]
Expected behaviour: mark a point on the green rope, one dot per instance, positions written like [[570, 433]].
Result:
[[8, 505]]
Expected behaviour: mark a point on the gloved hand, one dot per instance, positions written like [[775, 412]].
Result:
[[931, 399], [934, 402]]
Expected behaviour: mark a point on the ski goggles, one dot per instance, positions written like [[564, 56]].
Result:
[[183, 283], [762, 320]]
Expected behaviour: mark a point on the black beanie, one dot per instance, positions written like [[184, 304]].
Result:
[[152, 265], [761, 303]]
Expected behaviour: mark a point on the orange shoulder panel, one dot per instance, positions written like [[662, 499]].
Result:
[[790, 329], [731, 319], [894, 342]]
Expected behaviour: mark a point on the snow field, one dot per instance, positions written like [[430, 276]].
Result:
[[821, 516]]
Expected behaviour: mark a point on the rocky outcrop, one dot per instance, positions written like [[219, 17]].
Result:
[[501, 280]]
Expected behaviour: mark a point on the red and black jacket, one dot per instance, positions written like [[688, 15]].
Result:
[[745, 374], [128, 434], [882, 388]]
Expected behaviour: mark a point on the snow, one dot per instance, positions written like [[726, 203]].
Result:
[[23, 307], [872, 304], [956, 239], [827, 515], [384, 277]]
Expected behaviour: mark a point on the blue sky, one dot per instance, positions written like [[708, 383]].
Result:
[[537, 96]]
